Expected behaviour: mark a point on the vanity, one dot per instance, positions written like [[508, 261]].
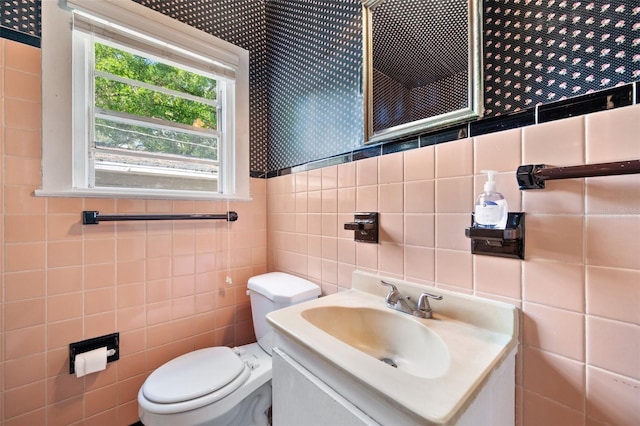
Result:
[[349, 359]]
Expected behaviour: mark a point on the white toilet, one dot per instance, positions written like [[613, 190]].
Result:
[[220, 385]]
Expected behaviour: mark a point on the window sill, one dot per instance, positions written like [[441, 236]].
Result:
[[148, 194]]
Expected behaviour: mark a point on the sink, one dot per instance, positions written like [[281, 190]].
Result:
[[397, 368], [398, 340]]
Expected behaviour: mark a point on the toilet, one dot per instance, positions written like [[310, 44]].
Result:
[[220, 385]]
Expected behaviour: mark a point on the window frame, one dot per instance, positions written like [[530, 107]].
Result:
[[64, 166]]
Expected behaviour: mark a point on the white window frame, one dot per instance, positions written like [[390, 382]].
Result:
[[63, 164]]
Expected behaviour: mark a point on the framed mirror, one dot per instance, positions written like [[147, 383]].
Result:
[[422, 65]]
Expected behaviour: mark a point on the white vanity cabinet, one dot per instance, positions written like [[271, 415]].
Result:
[[347, 359], [300, 398]]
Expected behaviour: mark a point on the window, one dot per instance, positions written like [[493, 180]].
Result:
[[138, 104], [154, 124]]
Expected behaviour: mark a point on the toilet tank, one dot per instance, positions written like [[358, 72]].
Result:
[[275, 290]]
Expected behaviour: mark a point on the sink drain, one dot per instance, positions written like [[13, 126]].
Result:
[[389, 361]]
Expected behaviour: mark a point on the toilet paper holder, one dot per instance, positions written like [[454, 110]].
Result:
[[111, 341]]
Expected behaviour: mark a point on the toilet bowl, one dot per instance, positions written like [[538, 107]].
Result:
[[220, 385]]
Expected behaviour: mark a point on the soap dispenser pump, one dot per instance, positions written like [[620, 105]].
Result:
[[491, 209]]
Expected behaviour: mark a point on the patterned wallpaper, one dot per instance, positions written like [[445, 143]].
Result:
[[306, 95], [314, 60], [20, 16], [540, 51]]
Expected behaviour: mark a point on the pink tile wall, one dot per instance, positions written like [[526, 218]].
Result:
[[579, 287], [160, 284]]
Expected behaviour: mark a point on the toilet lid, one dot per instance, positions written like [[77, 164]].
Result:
[[193, 375]]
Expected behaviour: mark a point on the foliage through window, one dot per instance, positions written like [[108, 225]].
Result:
[[153, 120]]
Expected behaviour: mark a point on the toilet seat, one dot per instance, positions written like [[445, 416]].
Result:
[[193, 380]]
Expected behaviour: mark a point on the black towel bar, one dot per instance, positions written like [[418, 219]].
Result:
[[533, 176], [94, 217]]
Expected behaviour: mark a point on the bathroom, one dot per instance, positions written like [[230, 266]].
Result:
[[163, 285]]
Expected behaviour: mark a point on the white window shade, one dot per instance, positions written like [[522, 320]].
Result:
[[150, 44], [130, 15]]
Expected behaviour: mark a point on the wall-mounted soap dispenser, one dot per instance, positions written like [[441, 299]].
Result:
[[494, 231], [491, 208]]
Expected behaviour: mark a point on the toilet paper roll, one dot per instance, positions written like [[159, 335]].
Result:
[[90, 362]]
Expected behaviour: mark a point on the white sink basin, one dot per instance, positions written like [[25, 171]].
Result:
[[442, 363], [398, 340]]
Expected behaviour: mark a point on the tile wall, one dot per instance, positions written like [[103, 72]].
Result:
[[162, 285], [579, 287]]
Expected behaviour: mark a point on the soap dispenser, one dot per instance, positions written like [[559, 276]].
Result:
[[491, 209]]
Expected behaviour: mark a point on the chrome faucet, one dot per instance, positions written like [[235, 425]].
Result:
[[395, 300]]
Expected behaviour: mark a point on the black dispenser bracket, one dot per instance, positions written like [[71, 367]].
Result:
[[508, 242]]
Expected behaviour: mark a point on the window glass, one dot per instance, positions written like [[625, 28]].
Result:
[[155, 123]]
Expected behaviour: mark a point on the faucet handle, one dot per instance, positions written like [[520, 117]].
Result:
[[394, 295], [391, 286], [423, 300]]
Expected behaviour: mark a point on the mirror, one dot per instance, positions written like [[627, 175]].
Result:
[[422, 65]]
